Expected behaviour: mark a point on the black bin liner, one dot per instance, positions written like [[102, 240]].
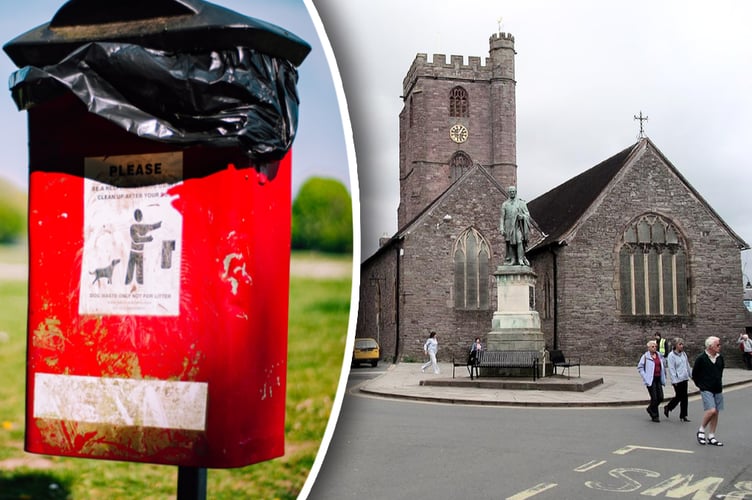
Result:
[[229, 96]]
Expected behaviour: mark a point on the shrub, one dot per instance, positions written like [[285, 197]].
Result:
[[11, 223], [322, 217]]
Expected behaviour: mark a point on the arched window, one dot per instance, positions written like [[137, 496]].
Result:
[[653, 269], [459, 164], [472, 256], [458, 103], [548, 297]]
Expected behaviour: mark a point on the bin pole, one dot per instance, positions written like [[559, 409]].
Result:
[[191, 483]]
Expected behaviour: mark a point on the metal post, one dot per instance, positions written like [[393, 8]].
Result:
[[191, 483]]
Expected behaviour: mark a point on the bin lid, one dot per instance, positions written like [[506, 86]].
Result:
[[173, 25]]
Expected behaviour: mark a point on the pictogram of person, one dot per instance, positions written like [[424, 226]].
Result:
[[139, 236]]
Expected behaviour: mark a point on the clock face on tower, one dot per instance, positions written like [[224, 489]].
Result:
[[458, 133]]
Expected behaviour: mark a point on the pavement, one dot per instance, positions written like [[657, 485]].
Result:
[[608, 386]]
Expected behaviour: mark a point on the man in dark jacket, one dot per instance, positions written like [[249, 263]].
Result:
[[707, 375]]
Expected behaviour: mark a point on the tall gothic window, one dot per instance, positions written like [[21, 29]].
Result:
[[653, 270], [548, 294], [471, 270], [459, 164], [458, 103]]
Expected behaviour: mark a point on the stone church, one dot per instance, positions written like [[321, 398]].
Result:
[[624, 250]]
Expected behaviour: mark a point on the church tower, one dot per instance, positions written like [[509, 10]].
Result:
[[456, 115]]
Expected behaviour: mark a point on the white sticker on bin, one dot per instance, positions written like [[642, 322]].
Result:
[[120, 401], [132, 245]]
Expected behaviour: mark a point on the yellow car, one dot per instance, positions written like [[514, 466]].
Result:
[[366, 350]]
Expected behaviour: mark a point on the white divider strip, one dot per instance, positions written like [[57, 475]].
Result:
[[119, 401]]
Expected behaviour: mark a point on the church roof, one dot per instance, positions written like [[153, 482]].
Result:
[[476, 169], [559, 211]]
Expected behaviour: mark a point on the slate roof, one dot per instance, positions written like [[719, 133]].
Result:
[[558, 211], [405, 229]]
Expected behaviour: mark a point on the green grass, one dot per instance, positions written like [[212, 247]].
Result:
[[319, 313]]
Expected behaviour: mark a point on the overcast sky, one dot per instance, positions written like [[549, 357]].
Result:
[[584, 69], [321, 146]]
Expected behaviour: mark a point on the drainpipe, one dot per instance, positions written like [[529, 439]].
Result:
[[556, 298], [397, 288]]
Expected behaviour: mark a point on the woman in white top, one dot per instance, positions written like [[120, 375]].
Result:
[[745, 343], [679, 370], [430, 348]]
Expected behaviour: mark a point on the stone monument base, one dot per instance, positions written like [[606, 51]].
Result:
[[515, 324], [519, 340], [516, 340]]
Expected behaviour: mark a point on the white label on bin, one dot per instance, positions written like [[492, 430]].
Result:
[[132, 236], [119, 401]]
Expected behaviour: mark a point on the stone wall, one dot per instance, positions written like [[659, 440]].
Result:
[[377, 309], [427, 300], [590, 323]]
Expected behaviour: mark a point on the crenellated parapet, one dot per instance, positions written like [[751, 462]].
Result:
[[458, 68], [439, 61], [454, 67], [502, 38]]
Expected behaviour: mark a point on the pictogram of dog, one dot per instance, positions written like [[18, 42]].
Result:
[[105, 272]]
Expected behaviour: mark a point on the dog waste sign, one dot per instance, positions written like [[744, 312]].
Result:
[[132, 236], [159, 231]]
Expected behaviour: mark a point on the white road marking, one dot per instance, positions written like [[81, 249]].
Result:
[[589, 466], [531, 492], [632, 447]]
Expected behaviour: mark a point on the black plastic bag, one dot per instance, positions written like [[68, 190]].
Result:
[[225, 98]]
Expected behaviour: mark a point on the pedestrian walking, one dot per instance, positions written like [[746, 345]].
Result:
[[745, 345], [653, 375], [707, 374], [678, 370], [431, 347]]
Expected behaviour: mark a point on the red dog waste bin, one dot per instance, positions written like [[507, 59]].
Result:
[[159, 232]]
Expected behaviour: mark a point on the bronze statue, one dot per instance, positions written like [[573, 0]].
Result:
[[515, 227]]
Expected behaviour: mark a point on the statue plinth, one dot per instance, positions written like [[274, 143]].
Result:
[[515, 325]]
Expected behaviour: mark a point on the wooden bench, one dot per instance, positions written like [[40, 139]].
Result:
[[559, 360], [505, 359]]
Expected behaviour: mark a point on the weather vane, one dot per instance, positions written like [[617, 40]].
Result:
[[642, 129]]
